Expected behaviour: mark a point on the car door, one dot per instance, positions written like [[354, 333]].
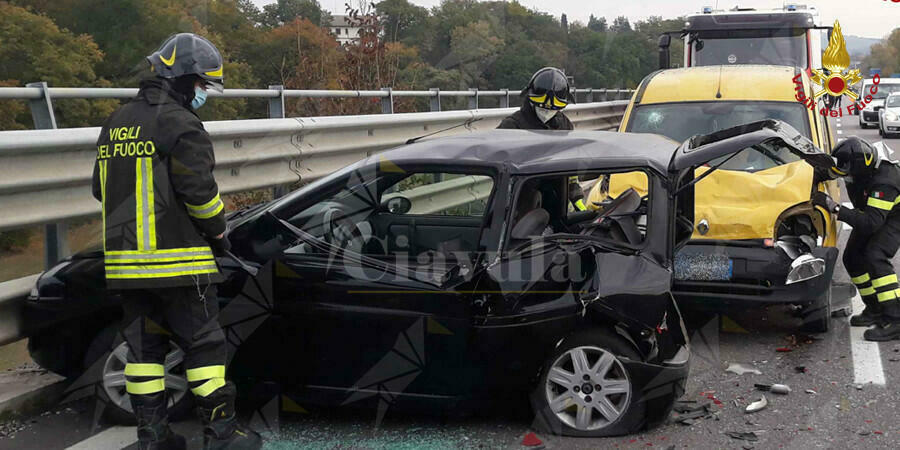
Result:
[[376, 319], [701, 149]]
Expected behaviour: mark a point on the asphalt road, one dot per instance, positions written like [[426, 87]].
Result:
[[847, 397]]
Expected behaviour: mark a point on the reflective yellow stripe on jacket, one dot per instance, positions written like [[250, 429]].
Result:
[[161, 263], [206, 210], [145, 209]]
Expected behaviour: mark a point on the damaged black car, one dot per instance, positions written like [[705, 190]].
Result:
[[442, 273]]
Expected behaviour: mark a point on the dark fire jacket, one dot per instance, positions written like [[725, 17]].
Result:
[[153, 177]]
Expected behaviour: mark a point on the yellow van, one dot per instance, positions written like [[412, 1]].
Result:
[[757, 238]]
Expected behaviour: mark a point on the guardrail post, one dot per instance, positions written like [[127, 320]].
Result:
[[504, 99], [473, 100], [436, 100], [604, 95], [55, 247], [589, 96], [387, 102], [276, 104]]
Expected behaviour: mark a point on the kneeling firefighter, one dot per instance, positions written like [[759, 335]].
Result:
[[873, 184], [163, 225], [544, 99]]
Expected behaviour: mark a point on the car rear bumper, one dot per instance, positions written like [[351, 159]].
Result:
[[758, 278]]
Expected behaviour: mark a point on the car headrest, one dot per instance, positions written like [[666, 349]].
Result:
[[529, 200], [531, 224]]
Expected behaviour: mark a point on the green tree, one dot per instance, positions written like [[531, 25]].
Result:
[[33, 48], [285, 11], [884, 55], [597, 23], [403, 22], [620, 25]]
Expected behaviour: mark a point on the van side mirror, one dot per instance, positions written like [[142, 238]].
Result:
[[664, 42]]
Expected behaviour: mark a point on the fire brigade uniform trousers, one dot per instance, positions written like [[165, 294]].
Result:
[[867, 259], [187, 315]]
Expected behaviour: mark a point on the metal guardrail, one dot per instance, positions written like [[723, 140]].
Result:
[[40, 98], [45, 175]]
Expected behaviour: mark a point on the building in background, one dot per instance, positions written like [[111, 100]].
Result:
[[344, 31]]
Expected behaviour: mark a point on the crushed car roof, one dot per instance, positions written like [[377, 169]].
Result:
[[541, 151]]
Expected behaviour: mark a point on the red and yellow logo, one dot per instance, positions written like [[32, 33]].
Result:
[[836, 60]]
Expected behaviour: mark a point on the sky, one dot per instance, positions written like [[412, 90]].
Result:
[[867, 18]]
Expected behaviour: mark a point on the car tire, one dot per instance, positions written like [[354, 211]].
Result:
[[817, 317], [108, 349], [627, 416]]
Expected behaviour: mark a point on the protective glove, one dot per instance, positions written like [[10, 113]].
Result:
[[822, 199], [220, 246], [575, 192]]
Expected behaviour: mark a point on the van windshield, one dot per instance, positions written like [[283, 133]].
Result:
[[781, 47], [680, 121], [885, 89]]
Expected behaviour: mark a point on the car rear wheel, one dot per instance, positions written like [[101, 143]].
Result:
[[112, 350], [586, 390]]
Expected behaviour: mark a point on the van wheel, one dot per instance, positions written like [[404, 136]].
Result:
[[585, 390], [110, 348]]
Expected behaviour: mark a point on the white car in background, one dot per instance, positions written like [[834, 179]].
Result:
[[870, 114], [889, 116]]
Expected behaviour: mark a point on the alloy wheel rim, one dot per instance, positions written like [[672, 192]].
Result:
[[114, 376], [587, 388]]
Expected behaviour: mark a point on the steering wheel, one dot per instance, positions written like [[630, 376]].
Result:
[[339, 229]]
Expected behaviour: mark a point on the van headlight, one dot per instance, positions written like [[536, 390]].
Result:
[[805, 267]]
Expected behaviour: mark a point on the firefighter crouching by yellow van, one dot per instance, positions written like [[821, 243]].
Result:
[[163, 225], [874, 187]]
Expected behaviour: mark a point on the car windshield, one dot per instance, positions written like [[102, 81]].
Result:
[[750, 47], [893, 101], [886, 89]]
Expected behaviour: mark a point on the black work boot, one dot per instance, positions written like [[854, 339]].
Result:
[[889, 328], [221, 429], [871, 314], [153, 423]]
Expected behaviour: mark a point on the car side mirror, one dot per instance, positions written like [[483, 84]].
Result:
[[396, 205]]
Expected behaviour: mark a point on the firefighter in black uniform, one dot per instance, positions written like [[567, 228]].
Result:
[[163, 223], [546, 95], [544, 99], [873, 184]]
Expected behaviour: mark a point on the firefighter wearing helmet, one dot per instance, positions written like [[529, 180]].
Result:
[[163, 226], [544, 100], [873, 184]]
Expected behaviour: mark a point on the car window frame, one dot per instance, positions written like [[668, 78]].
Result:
[[519, 180]]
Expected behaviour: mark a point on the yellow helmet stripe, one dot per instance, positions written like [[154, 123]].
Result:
[[540, 99], [215, 73], [559, 103], [171, 59]]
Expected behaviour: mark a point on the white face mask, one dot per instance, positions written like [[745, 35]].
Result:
[[545, 114]]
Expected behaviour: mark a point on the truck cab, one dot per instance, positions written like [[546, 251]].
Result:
[[788, 36]]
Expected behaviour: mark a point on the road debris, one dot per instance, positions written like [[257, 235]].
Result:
[[858, 387], [758, 405], [688, 412], [531, 440], [741, 369], [811, 391], [800, 369], [782, 389], [743, 435], [784, 349]]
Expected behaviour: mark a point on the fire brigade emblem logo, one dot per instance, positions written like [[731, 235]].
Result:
[[836, 60]]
